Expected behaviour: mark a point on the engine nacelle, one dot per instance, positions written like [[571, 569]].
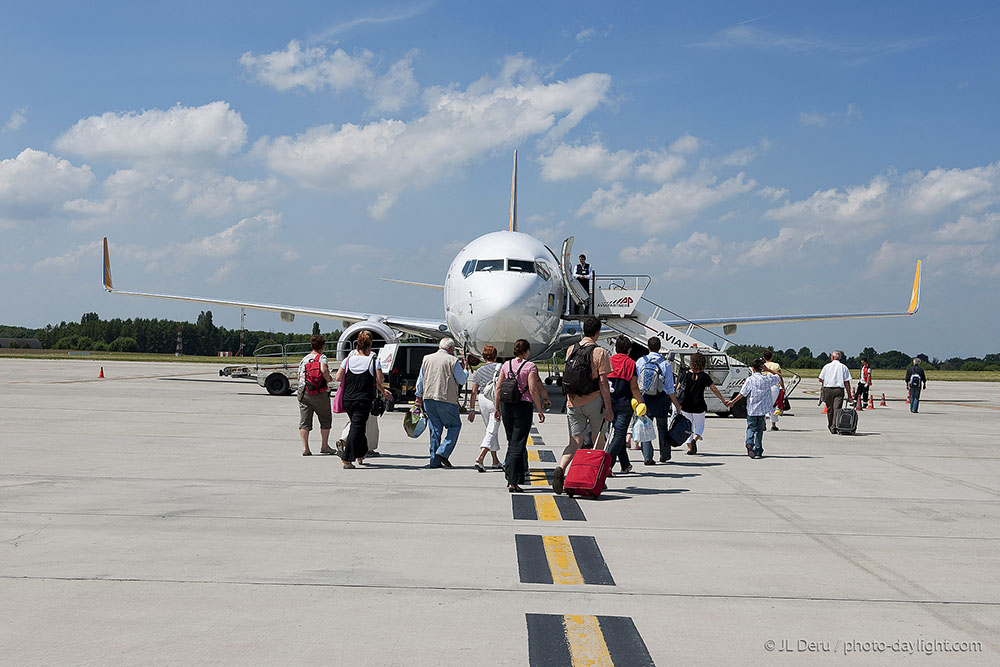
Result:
[[381, 335]]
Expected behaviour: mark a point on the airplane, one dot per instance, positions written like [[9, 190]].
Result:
[[501, 286]]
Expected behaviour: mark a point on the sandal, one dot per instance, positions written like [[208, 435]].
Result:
[[479, 466], [348, 465], [514, 489]]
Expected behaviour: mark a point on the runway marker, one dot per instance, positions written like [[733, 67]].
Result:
[[538, 477], [559, 559], [533, 456], [546, 456], [546, 508], [558, 641]]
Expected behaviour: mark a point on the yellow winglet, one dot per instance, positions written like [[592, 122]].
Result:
[[107, 268], [915, 295]]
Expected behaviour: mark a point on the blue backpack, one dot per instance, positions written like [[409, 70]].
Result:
[[650, 378]]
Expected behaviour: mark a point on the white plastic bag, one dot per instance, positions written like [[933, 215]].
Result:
[[643, 430]]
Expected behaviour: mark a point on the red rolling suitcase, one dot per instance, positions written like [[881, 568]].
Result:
[[587, 472]]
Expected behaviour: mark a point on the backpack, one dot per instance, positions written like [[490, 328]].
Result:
[[576, 373], [490, 390], [915, 379], [651, 377], [315, 382], [510, 391]]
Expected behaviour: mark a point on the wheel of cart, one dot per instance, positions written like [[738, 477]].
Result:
[[277, 385]]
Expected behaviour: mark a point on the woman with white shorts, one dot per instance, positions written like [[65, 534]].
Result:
[[484, 376], [694, 383]]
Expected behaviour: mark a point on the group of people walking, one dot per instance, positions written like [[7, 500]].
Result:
[[605, 394]]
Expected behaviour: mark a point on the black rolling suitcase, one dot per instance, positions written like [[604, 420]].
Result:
[[847, 420]]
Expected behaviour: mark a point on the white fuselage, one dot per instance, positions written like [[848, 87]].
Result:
[[501, 287]]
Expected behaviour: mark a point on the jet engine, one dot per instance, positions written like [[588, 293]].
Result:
[[380, 333]]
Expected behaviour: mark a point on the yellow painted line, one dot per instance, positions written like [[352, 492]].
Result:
[[537, 478], [533, 457], [587, 647], [546, 509], [562, 563], [531, 443]]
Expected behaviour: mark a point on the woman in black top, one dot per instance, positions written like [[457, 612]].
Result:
[[693, 406], [361, 377]]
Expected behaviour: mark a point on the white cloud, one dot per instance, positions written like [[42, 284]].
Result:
[[35, 184], [941, 188], [381, 206], [686, 145], [660, 166], [772, 193], [969, 230], [316, 68], [856, 204], [176, 135], [647, 252], [70, 258], [667, 209], [822, 119], [585, 35], [131, 194], [18, 117], [751, 37], [567, 162], [457, 128]]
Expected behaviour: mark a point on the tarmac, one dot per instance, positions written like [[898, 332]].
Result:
[[164, 515]]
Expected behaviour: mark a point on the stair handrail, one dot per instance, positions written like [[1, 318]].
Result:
[[691, 323]]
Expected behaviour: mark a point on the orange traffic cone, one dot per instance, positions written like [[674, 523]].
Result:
[[101, 374], [824, 408], [871, 402], [882, 404]]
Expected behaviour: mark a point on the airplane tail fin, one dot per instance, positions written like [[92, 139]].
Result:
[[513, 196], [915, 295], [107, 268]]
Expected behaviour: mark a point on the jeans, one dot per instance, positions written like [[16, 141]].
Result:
[[442, 416], [755, 433], [661, 435], [623, 417], [516, 420], [914, 397]]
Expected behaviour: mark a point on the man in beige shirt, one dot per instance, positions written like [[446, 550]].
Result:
[[588, 405]]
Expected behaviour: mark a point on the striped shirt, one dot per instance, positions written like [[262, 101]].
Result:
[[757, 389]]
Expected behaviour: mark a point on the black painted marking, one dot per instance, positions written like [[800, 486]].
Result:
[[535, 474], [532, 565], [590, 561], [546, 456], [624, 643], [547, 645], [524, 507], [569, 509]]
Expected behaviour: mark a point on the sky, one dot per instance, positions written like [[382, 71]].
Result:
[[752, 158]]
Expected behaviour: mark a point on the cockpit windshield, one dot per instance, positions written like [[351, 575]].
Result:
[[489, 265], [521, 266]]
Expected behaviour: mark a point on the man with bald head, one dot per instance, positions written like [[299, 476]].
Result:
[[835, 379]]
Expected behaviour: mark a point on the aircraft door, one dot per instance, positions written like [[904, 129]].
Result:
[[575, 290]]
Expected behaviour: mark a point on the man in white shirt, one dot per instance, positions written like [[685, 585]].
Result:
[[836, 380]]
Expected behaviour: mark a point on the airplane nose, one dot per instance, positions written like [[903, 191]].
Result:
[[503, 314]]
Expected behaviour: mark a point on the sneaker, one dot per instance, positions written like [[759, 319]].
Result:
[[758, 454], [445, 462], [497, 466], [750, 450], [693, 448], [649, 462], [479, 466], [557, 480], [627, 469]]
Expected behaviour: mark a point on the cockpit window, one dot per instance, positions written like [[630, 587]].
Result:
[[520, 266], [469, 267], [489, 265], [543, 269]]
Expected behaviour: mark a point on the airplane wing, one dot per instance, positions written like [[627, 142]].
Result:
[[433, 329], [731, 322]]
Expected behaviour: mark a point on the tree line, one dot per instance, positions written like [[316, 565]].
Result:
[[891, 360], [202, 338]]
